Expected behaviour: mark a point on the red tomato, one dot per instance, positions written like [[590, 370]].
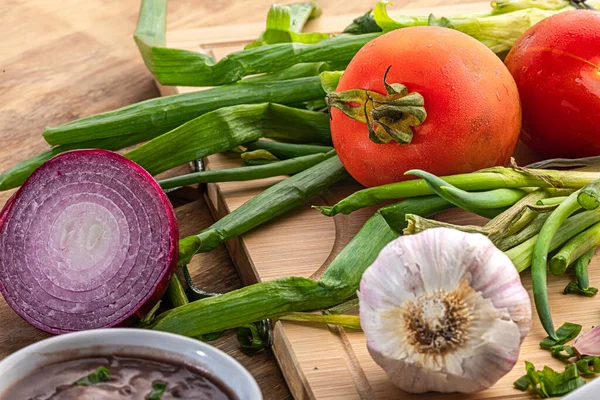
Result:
[[556, 65], [473, 111]]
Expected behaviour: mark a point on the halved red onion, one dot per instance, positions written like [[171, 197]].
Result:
[[89, 240]]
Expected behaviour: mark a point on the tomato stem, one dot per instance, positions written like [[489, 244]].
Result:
[[388, 117]]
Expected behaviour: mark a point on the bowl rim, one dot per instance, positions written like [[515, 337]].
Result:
[[250, 384]]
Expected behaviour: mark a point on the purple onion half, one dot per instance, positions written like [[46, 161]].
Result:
[[88, 241]]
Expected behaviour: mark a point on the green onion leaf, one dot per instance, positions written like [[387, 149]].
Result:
[[285, 23], [363, 24], [549, 383], [259, 154], [564, 334], [100, 375], [562, 352], [177, 67], [588, 365], [250, 337], [522, 383], [227, 128], [158, 389], [574, 288]]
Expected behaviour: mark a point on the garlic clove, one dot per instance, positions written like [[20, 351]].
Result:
[[588, 344], [443, 310]]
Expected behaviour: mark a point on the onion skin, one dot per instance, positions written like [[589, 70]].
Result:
[[79, 194]]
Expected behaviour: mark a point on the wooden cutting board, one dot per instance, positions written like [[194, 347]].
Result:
[[321, 362]]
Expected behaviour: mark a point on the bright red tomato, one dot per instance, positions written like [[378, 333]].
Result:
[[556, 65], [472, 104]]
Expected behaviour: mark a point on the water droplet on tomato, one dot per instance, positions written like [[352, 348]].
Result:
[[498, 95]]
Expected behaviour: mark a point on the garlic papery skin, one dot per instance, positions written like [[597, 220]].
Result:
[[444, 311], [588, 344]]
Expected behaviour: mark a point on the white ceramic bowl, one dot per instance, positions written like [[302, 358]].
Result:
[[130, 342]]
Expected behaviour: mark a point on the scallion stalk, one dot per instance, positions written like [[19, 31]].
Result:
[[575, 248], [552, 201], [582, 286], [521, 255], [285, 167], [346, 321], [287, 150], [175, 293], [493, 178], [154, 117], [589, 196], [228, 127], [539, 259], [187, 68]]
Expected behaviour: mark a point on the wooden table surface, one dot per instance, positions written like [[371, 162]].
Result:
[[65, 59]]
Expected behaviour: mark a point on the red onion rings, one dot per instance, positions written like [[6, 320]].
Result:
[[88, 241]]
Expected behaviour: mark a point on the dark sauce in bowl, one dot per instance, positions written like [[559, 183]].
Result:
[[128, 378]]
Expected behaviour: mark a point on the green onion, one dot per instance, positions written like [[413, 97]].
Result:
[[575, 248], [418, 224], [143, 121], [478, 203], [276, 200], [256, 163], [522, 383], [285, 23], [552, 201], [363, 24], [17, 175], [346, 321], [396, 214], [493, 178], [562, 352], [153, 117], [177, 67], [287, 150], [589, 365], [529, 231], [539, 259], [498, 29], [285, 167], [259, 154], [158, 389], [589, 196], [565, 333], [582, 286], [549, 383], [226, 128], [176, 293], [521, 255], [100, 375], [255, 336]]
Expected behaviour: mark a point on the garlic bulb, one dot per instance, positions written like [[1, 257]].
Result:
[[444, 311]]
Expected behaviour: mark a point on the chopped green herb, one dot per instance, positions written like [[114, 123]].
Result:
[[562, 352], [250, 337], [588, 365], [158, 389], [100, 375], [573, 287], [522, 383], [565, 333], [549, 383], [209, 337]]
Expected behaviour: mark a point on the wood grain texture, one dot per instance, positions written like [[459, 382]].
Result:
[[321, 362]]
